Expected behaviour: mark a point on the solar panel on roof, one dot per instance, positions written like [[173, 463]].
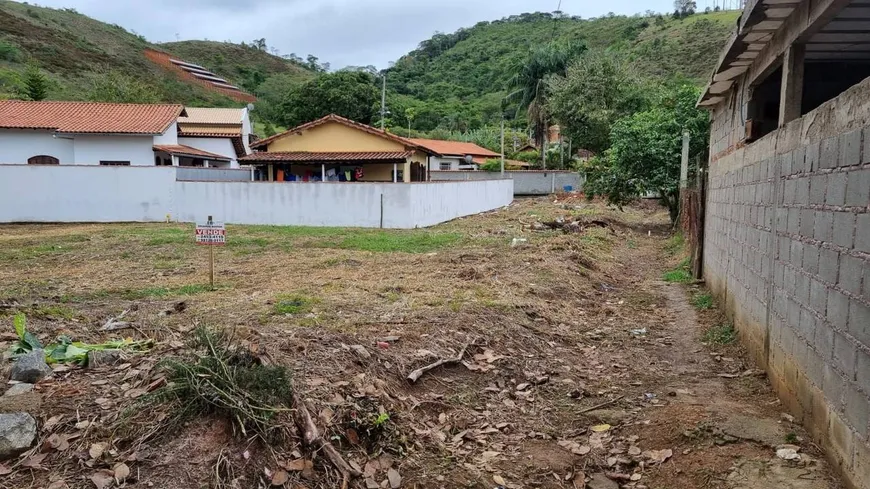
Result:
[[209, 77], [183, 63], [226, 85]]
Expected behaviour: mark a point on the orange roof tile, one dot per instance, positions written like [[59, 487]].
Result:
[[318, 157], [88, 117], [453, 148], [341, 120], [182, 150]]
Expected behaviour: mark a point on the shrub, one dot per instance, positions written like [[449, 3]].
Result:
[[8, 51]]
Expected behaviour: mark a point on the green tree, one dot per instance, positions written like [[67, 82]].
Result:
[[646, 147], [353, 95], [597, 90], [116, 86], [34, 83], [528, 88]]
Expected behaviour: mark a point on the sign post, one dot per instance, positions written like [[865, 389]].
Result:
[[211, 234]]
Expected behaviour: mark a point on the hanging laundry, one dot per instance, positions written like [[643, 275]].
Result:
[[358, 173]]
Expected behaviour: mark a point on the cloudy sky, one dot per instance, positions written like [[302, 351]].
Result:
[[342, 32]]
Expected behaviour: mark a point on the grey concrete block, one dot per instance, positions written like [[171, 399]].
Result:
[[818, 297], [794, 221], [851, 272], [833, 386], [823, 341], [807, 222], [793, 314], [850, 148], [865, 294], [866, 154], [802, 191], [859, 321], [802, 287], [798, 163], [845, 351], [857, 409], [818, 187], [838, 310], [823, 225], [858, 188], [811, 258], [836, 192], [828, 265], [812, 156], [785, 164], [830, 155], [813, 368], [862, 233], [862, 367], [844, 229], [807, 325]]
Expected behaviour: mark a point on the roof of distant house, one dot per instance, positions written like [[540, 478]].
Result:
[[89, 117], [182, 150], [318, 157], [343, 121], [202, 115], [453, 148]]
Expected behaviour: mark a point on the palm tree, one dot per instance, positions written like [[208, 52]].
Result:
[[528, 87]]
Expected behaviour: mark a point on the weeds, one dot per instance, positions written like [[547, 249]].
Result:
[[703, 301], [679, 275], [225, 381], [721, 334], [791, 438], [293, 304], [675, 244]]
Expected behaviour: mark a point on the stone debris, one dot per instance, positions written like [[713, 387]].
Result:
[[30, 367], [17, 432]]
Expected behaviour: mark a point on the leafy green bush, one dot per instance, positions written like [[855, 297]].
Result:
[[9, 51]]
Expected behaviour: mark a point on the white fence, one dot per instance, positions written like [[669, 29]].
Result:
[[196, 174], [33, 193], [526, 182]]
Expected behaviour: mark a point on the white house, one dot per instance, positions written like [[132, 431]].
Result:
[[454, 155], [226, 132], [91, 133]]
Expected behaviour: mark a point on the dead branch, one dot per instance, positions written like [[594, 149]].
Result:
[[602, 405], [115, 323], [312, 439], [416, 374]]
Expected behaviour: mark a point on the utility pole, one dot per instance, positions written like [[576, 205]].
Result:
[[384, 103], [502, 145], [684, 161]]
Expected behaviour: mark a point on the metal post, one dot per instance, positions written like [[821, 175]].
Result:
[[384, 103], [502, 146], [561, 152], [382, 211], [553, 183], [684, 162], [210, 261]]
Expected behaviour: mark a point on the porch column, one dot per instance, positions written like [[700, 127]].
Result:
[[205, 164], [406, 174], [323, 172], [395, 172], [271, 173], [174, 160], [792, 87]]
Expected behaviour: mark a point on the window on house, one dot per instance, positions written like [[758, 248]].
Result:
[[114, 163], [445, 165], [763, 110], [43, 160]]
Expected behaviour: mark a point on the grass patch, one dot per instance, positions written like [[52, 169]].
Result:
[[703, 301], [791, 438], [721, 334], [388, 242], [675, 244], [54, 311], [293, 304], [680, 276]]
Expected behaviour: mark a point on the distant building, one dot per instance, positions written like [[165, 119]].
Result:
[[455, 155], [91, 133], [226, 132]]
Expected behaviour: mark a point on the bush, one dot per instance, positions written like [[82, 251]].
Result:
[[532, 157], [8, 51]]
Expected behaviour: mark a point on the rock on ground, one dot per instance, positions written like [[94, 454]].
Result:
[[30, 368], [18, 389], [17, 432], [600, 481]]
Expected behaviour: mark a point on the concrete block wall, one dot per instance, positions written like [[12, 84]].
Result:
[[787, 249]]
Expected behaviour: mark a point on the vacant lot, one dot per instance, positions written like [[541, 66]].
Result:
[[579, 362]]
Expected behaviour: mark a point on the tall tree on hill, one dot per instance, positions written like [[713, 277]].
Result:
[[34, 83], [528, 87]]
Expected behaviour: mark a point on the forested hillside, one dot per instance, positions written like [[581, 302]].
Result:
[[85, 59], [458, 80]]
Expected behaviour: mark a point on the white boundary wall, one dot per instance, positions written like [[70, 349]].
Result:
[[526, 182], [32, 193]]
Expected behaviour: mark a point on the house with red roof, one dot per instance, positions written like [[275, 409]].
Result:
[[455, 155], [93, 133]]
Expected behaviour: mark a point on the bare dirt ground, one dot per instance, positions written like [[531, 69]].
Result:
[[583, 367]]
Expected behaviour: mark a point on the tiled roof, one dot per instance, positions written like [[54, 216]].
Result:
[[312, 157], [453, 148], [200, 115], [341, 120], [88, 117], [181, 150]]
